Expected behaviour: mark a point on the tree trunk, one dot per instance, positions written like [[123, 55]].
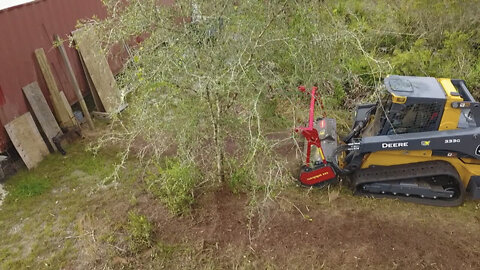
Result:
[[215, 115], [219, 153], [219, 147]]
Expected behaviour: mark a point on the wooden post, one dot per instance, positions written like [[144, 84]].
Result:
[[59, 109], [74, 81]]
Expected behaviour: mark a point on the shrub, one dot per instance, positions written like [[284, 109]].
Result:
[[140, 232], [241, 180], [174, 184]]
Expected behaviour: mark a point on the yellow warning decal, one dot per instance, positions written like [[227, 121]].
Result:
[[317, 176]]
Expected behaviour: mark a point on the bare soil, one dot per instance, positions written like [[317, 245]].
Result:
[[304, 232]]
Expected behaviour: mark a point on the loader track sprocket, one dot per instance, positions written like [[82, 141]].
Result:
[[433, 183]]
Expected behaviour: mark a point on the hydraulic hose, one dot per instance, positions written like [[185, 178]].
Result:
[[355, 131]]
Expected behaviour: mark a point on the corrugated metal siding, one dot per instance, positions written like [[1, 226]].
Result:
[[28, 27]]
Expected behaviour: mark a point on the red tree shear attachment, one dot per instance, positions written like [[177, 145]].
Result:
[[319, 172]]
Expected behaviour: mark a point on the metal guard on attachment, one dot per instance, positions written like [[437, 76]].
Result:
[[317, 176]]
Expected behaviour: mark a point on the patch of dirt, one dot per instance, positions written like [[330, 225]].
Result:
[[225, 221], [356, 238], [343, 236], [218, 218]]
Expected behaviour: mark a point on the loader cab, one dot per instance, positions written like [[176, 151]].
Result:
[[413, 104], [417, 104]]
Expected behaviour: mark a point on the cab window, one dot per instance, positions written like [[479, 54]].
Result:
[[414, 118]]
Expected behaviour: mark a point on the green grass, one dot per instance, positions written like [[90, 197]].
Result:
[[28, 185], [56, 170], [38, 217]]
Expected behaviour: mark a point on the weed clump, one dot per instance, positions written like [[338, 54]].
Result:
[[140, 232], [174, 184], [241, 180]]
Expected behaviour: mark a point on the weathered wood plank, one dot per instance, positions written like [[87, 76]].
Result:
[[93, 91], [74, 82], [42, 112], [58, 107], [98, 69], [70, 114], [27, 140]]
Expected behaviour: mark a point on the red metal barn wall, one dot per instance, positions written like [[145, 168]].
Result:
[[28, 27]]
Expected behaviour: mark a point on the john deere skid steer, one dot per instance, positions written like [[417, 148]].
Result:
[[421, 143]]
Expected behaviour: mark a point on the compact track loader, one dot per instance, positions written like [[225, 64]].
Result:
[[421, 143]]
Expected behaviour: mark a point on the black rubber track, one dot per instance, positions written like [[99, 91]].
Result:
[[405, 172]]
